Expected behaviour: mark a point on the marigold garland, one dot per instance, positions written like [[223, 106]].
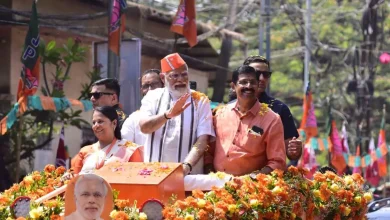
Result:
[[279, 195]]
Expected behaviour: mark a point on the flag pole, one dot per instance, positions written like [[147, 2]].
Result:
[[384, 192], [18, 148]]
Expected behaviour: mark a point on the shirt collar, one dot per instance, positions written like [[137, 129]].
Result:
[[254, 110]]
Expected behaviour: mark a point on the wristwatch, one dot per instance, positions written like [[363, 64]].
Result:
[[189, 165]]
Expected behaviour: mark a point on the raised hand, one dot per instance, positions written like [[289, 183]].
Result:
[[178, 107]]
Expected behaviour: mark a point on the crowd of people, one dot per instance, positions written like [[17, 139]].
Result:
[[253, 133]]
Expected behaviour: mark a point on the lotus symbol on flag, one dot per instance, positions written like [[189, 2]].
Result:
[[384, 58], [30, 81], [115, 16], [181, 16]]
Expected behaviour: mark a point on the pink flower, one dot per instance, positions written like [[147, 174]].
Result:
[[384, 58]]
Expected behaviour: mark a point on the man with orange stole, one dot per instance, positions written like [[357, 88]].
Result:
[[178, 120]]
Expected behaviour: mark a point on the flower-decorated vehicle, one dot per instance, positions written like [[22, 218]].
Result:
[[279, 195]]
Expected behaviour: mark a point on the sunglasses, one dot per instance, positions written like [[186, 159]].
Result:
[[266, 74], [97, 95]]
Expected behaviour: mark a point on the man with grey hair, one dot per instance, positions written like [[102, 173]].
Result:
[[177, 120], [90, 193]]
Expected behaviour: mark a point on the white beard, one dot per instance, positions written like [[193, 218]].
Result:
[[176, 93]]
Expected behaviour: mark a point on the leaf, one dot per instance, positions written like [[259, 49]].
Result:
[[51, 45]]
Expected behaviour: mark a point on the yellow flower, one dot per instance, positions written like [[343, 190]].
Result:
[[232, 208], [36, 213], [254, 202], [348, 180], [367, 196], [28, 179], [277, 190], [9, 218], [316, 193], [334, 187], [201, 203], [113, 214], [358, 199], [143, 216], [293, 215], [347, 211], [189, 217]]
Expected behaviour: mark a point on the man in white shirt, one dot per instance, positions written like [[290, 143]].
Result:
[[131, 131], [178, 121]]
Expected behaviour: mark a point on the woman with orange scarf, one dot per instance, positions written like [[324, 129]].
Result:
[[110, 146]]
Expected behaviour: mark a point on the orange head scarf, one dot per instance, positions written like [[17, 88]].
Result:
[[171, 62]]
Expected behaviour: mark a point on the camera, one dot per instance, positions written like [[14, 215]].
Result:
[[193, 85]]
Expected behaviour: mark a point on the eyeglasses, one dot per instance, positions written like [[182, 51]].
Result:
[[176, 76], [150, 85], [266, 74], [97, 95], [246, 82]]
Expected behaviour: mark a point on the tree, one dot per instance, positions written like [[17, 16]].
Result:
[[37, 130]]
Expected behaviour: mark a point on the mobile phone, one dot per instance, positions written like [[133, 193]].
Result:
[[193, 85], [257, 130]]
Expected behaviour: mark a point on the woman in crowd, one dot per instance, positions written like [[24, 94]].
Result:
[[110, 146]]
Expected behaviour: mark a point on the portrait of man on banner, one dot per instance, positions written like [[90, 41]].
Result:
[[88, 197]]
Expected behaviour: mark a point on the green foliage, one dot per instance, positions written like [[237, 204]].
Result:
[[38, 126]]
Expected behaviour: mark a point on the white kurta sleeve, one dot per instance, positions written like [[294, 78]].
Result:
[[205, 123], [149, 103], [129, 127]]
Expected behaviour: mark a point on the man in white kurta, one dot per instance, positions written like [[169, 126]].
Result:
[[178, 120], [131, 131]]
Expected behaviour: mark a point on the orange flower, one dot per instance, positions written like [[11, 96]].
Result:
[[319, 177], [21, 218], [50, 203], [36, 176], [122, 203], [357, 178], [219, 214], [121, 215], [197, 194], [55, 217], [49, 168], [60, 170], [202, 215]]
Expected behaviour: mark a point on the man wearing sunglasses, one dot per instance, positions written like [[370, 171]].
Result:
[[293, 145], [150, 80], [105, 92], [178, 120]]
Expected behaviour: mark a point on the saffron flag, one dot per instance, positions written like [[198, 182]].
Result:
[[29, 78], [308, 160], [356, 168], [372, 174], [62, 152], [337, 158], [309, 120], [184, 22], [117, 25], [382, 162]]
